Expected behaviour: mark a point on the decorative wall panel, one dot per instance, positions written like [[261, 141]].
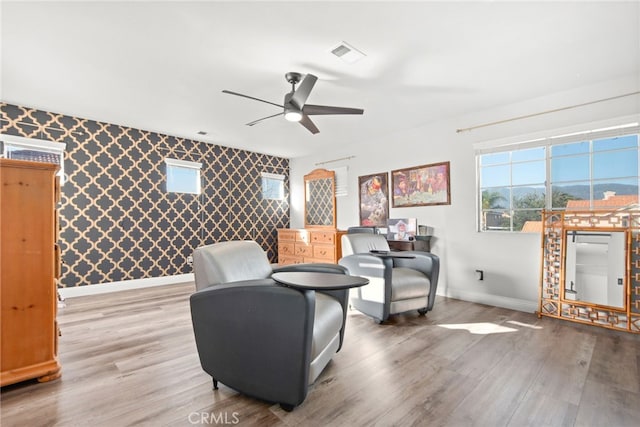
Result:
[[117, 220]]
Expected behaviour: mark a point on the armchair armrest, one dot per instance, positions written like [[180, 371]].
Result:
[[256, 337], [427, 263], [366, 265], [341, 295]]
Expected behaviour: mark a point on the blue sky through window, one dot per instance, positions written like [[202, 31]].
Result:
[[513, 184]]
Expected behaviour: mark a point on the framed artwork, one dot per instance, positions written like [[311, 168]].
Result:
[[421, 185], [374, 199], [402, 228]]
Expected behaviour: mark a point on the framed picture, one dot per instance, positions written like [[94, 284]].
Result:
[[421, 185], [374, 199], [402, 228]]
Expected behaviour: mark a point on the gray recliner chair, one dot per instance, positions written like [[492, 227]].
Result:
[[396, 285], [258, 337]]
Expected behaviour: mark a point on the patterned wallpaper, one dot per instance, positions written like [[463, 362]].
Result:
[[118, 222]]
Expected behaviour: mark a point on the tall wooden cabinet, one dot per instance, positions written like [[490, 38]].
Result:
[[29, 269]]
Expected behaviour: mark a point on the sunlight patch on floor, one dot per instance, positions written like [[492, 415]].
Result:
[[483, 328], [526, 325]]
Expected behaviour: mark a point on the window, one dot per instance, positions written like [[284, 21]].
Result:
[[183, 176], [583, 171], [272, 186], [34, 150], [341, 180]]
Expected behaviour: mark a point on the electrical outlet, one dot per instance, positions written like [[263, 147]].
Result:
[[190, 260]]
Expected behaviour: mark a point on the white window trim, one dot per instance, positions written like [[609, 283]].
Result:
[[37, 145], [274, 176], [41, 144], [183, 163], [595, 130], [188, 165]]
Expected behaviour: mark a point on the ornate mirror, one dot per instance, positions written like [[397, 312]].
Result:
[[591, 268], [320, 199]]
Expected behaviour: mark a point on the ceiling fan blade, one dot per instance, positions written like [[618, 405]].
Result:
[[306, 122], [251, 97], [302, 92], [325, 109], [255, 122]]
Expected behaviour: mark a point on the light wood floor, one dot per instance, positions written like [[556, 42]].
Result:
[[129, 358]]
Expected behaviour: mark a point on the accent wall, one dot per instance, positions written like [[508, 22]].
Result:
[[117, 221]]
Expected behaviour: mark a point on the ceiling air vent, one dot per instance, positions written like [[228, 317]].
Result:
[[347, 53]]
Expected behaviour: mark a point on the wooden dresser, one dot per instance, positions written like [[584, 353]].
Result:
[[296, 246], [30, 267]]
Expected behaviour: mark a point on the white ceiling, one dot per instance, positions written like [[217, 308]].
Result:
[[161, 66]]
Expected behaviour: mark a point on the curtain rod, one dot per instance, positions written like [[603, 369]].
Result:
[[546, 112], [335, 160]]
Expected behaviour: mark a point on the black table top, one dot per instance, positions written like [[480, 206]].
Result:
[[391, 254], [318, 281]]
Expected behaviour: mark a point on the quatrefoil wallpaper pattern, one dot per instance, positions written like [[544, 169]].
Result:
[[117, 222]]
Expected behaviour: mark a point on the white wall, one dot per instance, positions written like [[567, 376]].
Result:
[[511, 261]]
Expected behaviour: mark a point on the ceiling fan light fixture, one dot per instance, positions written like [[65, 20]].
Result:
[[293, 116]]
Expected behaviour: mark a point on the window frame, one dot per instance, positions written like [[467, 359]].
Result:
[[183, 164], [273, 177], [34, 144], [589, 136]]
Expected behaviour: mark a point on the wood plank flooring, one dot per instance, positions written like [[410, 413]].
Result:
[[129, 358]]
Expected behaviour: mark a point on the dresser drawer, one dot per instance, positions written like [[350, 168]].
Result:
[[324, 252], [286, 248], [302, 236], [288, 260], [322, 237], [288, 235], [303, 250]]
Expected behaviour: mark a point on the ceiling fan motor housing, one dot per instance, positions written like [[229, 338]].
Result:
[[295, 104], [293, 78]]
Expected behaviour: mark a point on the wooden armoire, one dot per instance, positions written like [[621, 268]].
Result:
[[29, 270]]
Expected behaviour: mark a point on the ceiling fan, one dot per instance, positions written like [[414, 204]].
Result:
[[295, 108]]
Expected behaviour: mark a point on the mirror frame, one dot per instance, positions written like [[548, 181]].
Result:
[[315, 175], [552, 301]]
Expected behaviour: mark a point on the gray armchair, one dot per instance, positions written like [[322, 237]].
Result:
[[396, 285], [256, 336]]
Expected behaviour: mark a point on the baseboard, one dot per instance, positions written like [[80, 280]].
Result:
[[125, 285], [495, 300]]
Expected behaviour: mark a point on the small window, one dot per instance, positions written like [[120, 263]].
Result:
[[183, 176], [272, 186], [341, 175], [34, 150]]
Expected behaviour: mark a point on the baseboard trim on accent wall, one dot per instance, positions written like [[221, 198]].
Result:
[[494, 300], [125, 285]]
